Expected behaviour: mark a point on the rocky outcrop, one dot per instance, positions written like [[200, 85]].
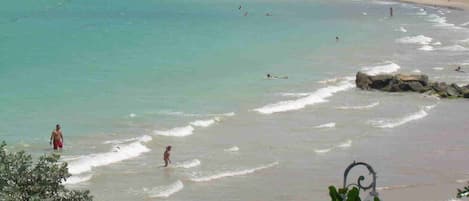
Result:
[[414, 83]]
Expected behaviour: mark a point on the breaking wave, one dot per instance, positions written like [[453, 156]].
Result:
[[188, 164], [232, 173], [318, 96], [420, 39], [165, 191], [360, 107], [189, 129], [119, 153], [77, 179], [391, 123], [327, 125], [232, 149]]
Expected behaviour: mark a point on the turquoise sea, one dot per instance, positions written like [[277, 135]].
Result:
[[126, 78]]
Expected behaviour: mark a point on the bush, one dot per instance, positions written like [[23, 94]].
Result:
[[344, 194], [20, 179]]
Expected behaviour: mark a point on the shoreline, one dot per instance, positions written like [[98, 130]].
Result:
[[462, 5]]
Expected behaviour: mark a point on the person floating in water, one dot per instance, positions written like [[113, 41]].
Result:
[[337, 39], [57, 138], [239, 8], [268, 14], [458, 69], [166, 156], [269, 76]]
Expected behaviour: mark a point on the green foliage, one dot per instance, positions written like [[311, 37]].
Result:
[[463, 193], [20, 179], [344, 194]]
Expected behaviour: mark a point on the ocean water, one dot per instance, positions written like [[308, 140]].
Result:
[[125, 79]]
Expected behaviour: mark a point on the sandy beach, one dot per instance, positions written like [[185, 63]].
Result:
[[455, 4]]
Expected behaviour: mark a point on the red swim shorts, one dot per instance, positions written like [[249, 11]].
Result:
[[57, 144]]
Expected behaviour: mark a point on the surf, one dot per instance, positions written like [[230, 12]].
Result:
[[233, 173]]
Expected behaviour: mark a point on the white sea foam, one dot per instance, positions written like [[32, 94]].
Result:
[[465, 41], [420, 39], [426, 48], [176, 132], [165, 191], [318, 96], [78, 179], [454, 48], [436, 43], [438, 68], [132, 115], [294, 94], [464, 24], [183, 114], [360, 107], [232, 173], [422, 12], [364, 13], [387, 67], [205, 123], [346, 144], [143, 138], [385, 188], [391, 123], [322, 151], [416, 71], [330, 81], [189, 129], [232, 149], [462, 181], [440, 21], [187, 164], [87, 162], [402, 29], [327, 125]]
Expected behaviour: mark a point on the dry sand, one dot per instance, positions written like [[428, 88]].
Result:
[[455, 4]]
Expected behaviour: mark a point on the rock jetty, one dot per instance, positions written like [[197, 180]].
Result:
[[411, 83]]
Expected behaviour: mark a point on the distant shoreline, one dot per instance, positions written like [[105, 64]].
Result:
[[451, 4]]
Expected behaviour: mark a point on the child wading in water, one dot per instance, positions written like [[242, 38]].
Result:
[[166, 156]]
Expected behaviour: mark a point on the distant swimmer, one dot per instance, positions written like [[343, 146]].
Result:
[[458, 69], [239, 8], [269, 76], [337, 39], [166, 156], [57, 138], [268, 14], [391, 12]]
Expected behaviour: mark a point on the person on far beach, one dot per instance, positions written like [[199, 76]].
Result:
[[57, 138], [166, 156]]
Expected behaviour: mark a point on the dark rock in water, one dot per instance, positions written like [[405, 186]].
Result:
[[417, 86], [362, 81], [415, 83]]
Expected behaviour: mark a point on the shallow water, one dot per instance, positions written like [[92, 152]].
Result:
[[126, 79]]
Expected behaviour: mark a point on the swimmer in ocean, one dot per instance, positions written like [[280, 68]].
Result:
[[166, 156]]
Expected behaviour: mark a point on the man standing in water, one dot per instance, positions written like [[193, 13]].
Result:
[[57, 137], [166, 156]]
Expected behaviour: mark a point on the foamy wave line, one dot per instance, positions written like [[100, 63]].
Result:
[[176, 113], [233, 173], [189, 129], [78, 179], [420, 39], [402, 29], [232, 149], [454, 48], [391, 123], [188, 164], [342, 145], [144, 138], [165, 191], [318, 96], [386, 67], [385, 188], [360, 107], [326, 125], [294, 94], [124, 152]]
